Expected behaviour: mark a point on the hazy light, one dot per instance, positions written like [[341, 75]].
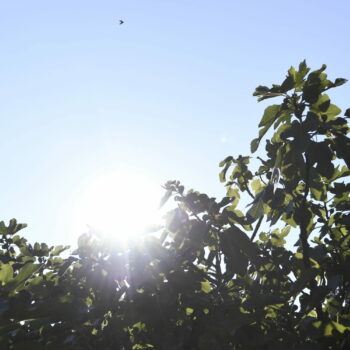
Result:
[[119, 205], [223, 139]]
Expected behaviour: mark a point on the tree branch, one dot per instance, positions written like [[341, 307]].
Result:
[[303, 234], [256, 228]]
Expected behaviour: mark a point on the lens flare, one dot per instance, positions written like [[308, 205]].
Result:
[[118, 205]]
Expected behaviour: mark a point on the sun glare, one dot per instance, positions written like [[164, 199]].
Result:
[[119, 205]]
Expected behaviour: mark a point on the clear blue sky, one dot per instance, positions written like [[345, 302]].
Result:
[[168, 93]]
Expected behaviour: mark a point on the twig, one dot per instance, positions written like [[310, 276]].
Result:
[[256, 228]]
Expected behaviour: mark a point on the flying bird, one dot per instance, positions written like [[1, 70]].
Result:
[[121, 22]]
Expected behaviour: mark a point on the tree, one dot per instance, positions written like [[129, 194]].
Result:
[[216, 277]]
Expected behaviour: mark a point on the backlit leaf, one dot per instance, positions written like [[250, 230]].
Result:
[[205, 286]]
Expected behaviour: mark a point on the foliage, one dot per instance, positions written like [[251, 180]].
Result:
[[216, 277]]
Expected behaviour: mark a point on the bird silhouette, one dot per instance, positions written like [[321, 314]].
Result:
[[121, 22]]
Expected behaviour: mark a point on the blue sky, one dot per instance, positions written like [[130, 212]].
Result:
[[167, 95]]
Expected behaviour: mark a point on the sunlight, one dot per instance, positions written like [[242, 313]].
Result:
[[118, 205]]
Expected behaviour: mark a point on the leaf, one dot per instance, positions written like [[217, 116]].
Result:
[[298, 255], [205, 286], [261, 90], [303, 68], [289, 82], [339, 327], [315, 84], [242, 241], [269, 116], [24, 273], [6, 273], [189, 311], [58, 250], [140, 346], [339, 81], [285, 231], [165, 198], [257, 209], [228, 159], [333, 111], [270, 95], [312, 313], [223, 172], [256, 185], [12, 228], [233, 193], [322, 104], [264, 92], [139, 326], [254, 145], [330, 326]]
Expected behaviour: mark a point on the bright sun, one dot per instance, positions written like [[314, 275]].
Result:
[[119, 205]]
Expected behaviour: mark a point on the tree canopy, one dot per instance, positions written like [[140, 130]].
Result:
[[218, 275]]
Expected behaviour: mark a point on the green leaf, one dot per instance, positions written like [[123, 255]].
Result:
[[315, 84], [228, 159], [257, 209], [256, 185], [260, 90], [264, 92], [271, 113], [339, 327], [322, 104], [189, 311], [58, 250], [269, 116], [303, 68], [205, 286], [234, 194], [24, 273], [339, 81], [289, 82], [223, 172], [333, 111], [140, 346], [254, 145], [298, 255], [6, 273], [285, 231], [12, 228], [330, 326], [312, 314]]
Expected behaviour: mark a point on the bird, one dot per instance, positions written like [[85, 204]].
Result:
[[121, 22]]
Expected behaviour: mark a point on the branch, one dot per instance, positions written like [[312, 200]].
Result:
[[303, 223], [256, 228], [248, 190], [303, 234]]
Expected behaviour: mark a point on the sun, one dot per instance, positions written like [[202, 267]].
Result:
[[119, 205]]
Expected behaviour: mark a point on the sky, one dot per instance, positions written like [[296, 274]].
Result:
[[167, 95]]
